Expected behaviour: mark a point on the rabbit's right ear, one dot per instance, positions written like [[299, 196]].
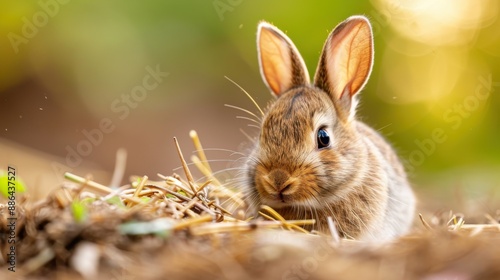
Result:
[[281, 65], [346, 63]]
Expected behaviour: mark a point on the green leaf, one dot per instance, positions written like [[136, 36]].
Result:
[[116, 200], [4, 184], [80, 211]]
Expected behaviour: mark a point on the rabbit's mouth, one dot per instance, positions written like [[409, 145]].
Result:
[[276, 198], [294, 197], [277, 201], [282, 204]]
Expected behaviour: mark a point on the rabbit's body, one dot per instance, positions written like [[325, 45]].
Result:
[[313, 160]]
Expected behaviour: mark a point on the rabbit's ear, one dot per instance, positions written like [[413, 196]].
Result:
[[281, 65], [346, 63]]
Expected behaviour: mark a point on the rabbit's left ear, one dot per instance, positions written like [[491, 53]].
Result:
[[281, 65], [346, 63]]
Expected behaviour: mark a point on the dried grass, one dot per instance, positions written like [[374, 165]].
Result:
[[176, 228]]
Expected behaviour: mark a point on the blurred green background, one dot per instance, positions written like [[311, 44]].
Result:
[[67, 65]]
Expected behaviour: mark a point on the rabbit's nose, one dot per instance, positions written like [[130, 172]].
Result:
[[279, 179]]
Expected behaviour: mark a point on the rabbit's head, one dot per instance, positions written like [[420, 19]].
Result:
[[307, 147]]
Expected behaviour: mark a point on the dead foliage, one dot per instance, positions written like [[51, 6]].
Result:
[[177, 229]]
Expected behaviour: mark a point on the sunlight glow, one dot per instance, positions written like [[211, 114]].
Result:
[[438, 22], [429, 47]]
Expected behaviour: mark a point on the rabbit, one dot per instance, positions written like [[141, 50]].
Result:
[[312, 159]]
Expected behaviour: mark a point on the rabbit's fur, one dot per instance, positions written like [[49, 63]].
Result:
[[357, 179]]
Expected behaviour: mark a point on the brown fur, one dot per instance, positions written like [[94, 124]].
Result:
[[357, 180]]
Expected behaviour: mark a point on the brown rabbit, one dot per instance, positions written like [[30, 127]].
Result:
[[312, 158]]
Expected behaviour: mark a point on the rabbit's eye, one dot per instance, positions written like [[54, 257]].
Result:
[[323, 138]]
